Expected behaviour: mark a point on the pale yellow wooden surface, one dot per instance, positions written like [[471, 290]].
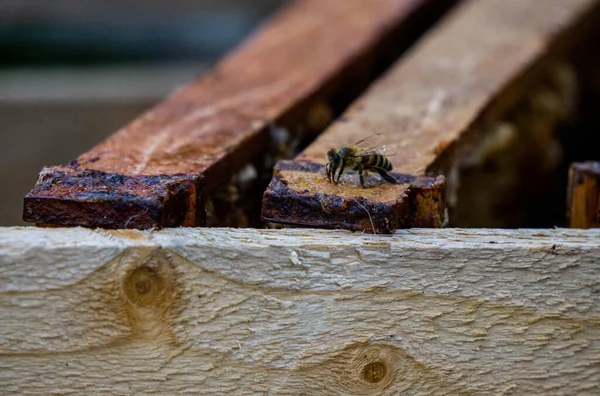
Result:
[[299, 312]]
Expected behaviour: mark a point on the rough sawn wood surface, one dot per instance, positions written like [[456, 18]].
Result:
[[299, 312]]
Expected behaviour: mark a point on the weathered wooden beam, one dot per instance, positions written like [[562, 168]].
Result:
[[583, 197], [313, 54], [300, 194], [434, 106], [299, 312]]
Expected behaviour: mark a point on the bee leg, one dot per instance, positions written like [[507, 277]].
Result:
[[386, 176], [341, 171], [327, 172], [360, 176]]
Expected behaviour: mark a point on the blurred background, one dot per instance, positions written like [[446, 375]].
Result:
[[74, 71]]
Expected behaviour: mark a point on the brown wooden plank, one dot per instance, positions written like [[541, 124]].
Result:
[[584, 195], [461, 79], [312, 52]]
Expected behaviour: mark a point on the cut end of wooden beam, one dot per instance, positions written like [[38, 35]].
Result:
[[71, 196], [584, 195], [300, 194]]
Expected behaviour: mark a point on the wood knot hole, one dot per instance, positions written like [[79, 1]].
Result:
[[144, 286], [374, 372]]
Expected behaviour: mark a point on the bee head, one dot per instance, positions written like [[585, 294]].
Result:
[[334, 157], [330, 154], [332, 163]]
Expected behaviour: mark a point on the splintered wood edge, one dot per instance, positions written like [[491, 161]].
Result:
[[431, 101], [417, 312], [583, 200], [290, 73]]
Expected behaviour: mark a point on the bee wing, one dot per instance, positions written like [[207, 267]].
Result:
[[381, 149], [361, 142]]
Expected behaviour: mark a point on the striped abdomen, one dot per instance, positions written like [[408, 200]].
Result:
[[377, 161]]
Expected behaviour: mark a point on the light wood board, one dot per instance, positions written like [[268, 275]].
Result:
[[299, 312]]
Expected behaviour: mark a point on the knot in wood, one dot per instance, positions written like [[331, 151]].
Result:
[[375, 366], [374, 372], [143, 286], [150, 284]]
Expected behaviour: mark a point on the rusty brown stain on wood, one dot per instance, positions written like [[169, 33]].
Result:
[[584, 195], [74, 196], [449, 85], [308, 52]]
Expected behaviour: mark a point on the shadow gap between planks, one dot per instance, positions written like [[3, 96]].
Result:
[[209, 145]]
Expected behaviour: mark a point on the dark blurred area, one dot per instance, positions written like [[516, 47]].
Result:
[[92, 32], [74, 71]]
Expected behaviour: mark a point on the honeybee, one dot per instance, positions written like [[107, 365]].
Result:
[[358, 159]]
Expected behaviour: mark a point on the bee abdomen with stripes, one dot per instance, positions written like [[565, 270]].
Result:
[[353, 158]]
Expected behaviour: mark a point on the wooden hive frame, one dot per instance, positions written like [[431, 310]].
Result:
[[313, 312]]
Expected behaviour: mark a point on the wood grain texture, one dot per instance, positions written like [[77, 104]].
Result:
[[459, 80], [433, 95], [299, 312], [298, 61], [583, 198]]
